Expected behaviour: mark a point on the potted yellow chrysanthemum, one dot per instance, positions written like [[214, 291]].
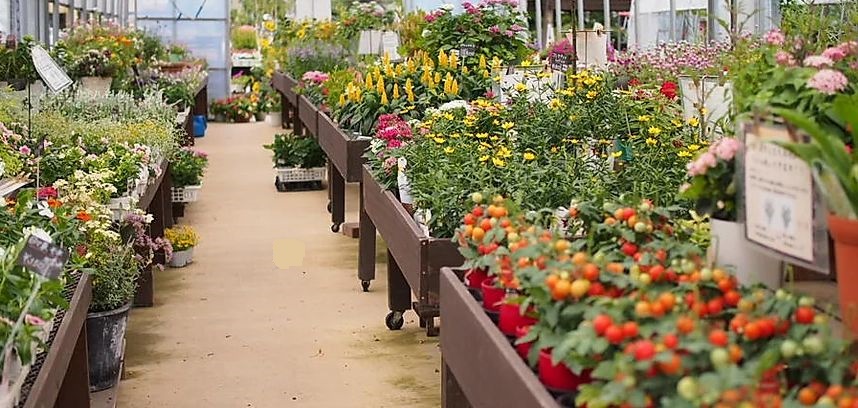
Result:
[[183, 239]]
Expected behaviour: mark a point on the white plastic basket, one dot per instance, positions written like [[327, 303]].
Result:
[[296, 174], [186, 194]]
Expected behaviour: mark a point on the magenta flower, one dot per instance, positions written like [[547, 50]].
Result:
[[24, 150], [33, 320], [828, 81], [494, 29]]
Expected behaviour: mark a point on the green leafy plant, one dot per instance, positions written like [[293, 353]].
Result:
[[114, 273], [291, 151], [187, 167], [243, 38]]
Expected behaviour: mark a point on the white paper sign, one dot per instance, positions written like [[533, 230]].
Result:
[[51, 73], [778, 195], [390, 45], [591, 48]]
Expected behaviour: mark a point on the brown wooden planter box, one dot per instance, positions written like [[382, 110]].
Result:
[[309, 115], [481, 368], [59, 376], [157, 201], [285, 84], [419, 257], [345, 153]]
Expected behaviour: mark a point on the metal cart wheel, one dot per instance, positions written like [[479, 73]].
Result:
[[364, 284], [335, 227], [394, 320]]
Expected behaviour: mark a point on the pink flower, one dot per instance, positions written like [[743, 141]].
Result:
[[774, 37], [494, 29], [509, 33], [834, 53], [708, 159], [818, 61], [726, 148], [47, 192], [828, 81], [34, 320], [516, 28], [25, 150], [431, 17], [389, 164], [784, 58]]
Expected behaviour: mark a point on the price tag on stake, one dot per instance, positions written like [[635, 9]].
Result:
[[467, 50], [43, 258]]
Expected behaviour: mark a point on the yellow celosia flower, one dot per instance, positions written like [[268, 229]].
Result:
[[342, 99], [411, 66], [379, 85], [655, 131], [442, 59], [454, 61], [529, 156], [465, 70], [482, 65], [454, 88], [384, 100], [369, 84], [437, 78], [395, 91]]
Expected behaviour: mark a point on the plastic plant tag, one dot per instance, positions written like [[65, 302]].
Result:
[[402, 181], [43, 258]]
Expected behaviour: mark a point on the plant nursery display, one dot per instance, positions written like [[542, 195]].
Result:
[[298, 161], [365, 16], [182, 239]]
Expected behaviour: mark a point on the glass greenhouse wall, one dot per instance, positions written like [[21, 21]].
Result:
[[201, 25]]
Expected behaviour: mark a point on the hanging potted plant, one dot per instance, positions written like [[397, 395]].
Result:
[[183, 239], [94, 70], [713, 189], [834, 162]]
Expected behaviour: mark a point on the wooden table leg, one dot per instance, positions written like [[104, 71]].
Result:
[[338, 198], [74, 393], [452, 395], [366, 247], [398, 294]]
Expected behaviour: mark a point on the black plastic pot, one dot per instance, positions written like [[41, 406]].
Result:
[[105, 335]]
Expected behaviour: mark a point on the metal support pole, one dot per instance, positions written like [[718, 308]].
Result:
[[45, 28], [636, 12], [606, 6], [580, 14], [55, 29], [558, 20], [673, 20], [72, 18], [539, 38]]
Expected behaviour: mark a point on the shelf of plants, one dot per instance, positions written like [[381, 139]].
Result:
[[99, 162], [345, 161], [309, 114]]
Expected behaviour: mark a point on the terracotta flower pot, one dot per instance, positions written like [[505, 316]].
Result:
[[845, 234], [492, 295], [559, 377], [523, 349], [511, 318]]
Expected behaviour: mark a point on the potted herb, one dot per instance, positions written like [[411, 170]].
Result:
[[835, 170], [297, 160], [713, 189], [186, 172], [183, 239]]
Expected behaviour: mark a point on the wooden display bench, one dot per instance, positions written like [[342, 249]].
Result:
[[480, 366], [309, 115], [59, 376], [345, 162], [157, 201], [285, 85], [414, 259]]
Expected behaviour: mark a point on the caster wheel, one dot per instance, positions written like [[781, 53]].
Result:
[[364, 284], [394, 320], [335, 227], [329, 207]]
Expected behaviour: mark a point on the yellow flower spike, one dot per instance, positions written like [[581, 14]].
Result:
[[380, 85], [496, 62], [454, 61], [410, 96], [482, 64], [529, 156], [400, 69], [465, 70], [442, 59], [395, 91], [384, 100], [437, 79], [389, 71], [386, 59], [411, 66], [455, 87], [426, 78], [342, 99], [369, 81]]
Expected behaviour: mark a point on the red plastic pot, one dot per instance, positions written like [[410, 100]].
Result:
[[559, 377], [523, 349], [511, 318], [475, 277], [492, 295]]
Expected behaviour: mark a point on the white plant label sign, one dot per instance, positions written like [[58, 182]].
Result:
[[49, 70], [778, 195]]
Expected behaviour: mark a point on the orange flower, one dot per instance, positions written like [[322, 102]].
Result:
[[83, 216], [54, 203]]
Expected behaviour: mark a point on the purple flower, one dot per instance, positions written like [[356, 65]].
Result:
[[828, 81]]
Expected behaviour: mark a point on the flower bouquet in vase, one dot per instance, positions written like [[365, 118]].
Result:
[[713, 188]]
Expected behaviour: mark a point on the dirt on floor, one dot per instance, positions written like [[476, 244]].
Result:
[[251, 324]]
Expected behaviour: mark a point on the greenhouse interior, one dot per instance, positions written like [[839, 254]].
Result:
[[423, 203]]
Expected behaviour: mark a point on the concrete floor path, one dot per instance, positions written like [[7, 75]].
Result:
[[235, 330]]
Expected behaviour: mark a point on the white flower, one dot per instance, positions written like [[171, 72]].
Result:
[[447, 7], [426, 32], [45, 209], [38, 233], [457, 104], [148, 218]]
